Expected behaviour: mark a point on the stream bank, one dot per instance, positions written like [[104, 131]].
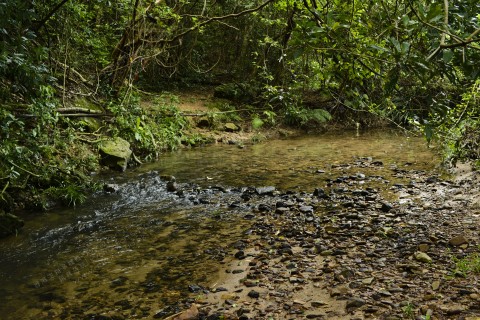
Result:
[[332, 230]]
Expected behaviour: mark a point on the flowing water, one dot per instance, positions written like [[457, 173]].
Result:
[[143, 249]]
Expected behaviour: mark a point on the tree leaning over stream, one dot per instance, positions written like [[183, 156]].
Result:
[[412, 62]]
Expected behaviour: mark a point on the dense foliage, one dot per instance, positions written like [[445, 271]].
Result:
[[297, 62]]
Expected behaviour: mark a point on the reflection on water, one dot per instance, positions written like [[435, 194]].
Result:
[[294, 163], [140, 249]]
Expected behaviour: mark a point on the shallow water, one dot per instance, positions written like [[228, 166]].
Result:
[[294, 163], [139, 250]]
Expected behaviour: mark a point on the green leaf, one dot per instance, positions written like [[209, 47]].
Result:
[[392, 80], [373, 46], [257, 123], [396, 44], [447, 55]]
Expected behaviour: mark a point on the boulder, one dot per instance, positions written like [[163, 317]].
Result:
[[90, 123], [115, 153], [9, 224], [231, 127]]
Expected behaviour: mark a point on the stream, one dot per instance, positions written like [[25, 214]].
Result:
[[138, 251]]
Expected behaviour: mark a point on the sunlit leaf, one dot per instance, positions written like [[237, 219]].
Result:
[[257, 123]]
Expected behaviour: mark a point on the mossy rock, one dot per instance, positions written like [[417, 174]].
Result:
[[9, 224], [83, 103], [115, 153], [231, 127], [90, 123]]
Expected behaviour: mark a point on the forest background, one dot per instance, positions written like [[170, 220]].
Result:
[[73, 73]]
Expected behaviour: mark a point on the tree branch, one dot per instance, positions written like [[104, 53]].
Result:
[[207, 21], [457, 38], [445, 22], [39, 24]]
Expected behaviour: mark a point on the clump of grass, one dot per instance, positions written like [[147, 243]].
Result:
[[467, 265], [409, 310]]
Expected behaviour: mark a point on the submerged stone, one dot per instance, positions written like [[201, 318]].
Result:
[[115, 153]]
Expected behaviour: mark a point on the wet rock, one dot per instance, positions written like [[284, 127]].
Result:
[[284, 204], [320, 193], [51, 296], [109, 315], [151, 286], [168, 178], [240, 255], [281, 210], [386, 207], [254, 294], [172, 186], [120, 281], [264, 207], [115, 153], [265, 190], [249, 216], [194, 288], [111, 187], [124, 304], [306, 209], [249, 283], [431, 179]]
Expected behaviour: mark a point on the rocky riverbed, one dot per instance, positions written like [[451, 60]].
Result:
[[345, 252], [371, 241]]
